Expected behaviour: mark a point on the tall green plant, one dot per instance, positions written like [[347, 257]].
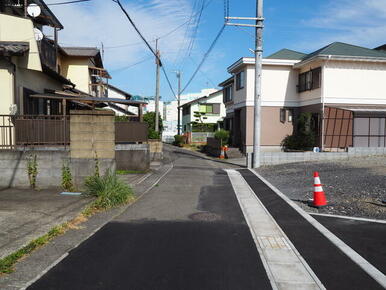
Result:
[[223, 136], [67, 182], [149, 118], [32, 170], [303, 138]]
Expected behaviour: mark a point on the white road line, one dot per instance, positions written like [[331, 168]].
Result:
[[349, 217], [285, 267], [353, 255]]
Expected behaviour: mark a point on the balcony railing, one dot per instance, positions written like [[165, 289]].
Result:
[[48, 53]]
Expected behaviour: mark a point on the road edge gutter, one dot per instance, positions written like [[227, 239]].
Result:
[[353, 255]]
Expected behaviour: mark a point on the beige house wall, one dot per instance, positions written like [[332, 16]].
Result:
[[355, 82], [272, 130], [76, 69], [6, 87], [14, 28], [313, 96]]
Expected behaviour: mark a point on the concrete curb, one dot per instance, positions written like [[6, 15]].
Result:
[[353, 255], [349, 217]]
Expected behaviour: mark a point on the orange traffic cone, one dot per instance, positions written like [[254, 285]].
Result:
[[319, 196], [222, 153]]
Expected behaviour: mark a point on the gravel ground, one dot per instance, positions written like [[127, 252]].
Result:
[[353, 187]]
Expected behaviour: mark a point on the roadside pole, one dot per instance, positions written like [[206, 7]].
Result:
[[259, 19], [258, 71], [157, 86], [179, 103]]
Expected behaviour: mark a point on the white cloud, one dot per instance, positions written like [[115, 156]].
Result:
[[97, 21], [360, 22]]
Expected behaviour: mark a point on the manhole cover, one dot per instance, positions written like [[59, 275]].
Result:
[[205, 216]]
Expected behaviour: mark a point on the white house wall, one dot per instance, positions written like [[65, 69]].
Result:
[[355, 83]]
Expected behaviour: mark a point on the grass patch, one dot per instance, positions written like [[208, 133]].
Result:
[[109, 191], [7, 263], [124, 172]]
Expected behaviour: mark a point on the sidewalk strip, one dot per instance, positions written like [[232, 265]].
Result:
[[286, 269], [335, 263]]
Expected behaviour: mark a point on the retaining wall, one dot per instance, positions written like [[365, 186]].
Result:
[[132, 157], [273, 158], [13, 167]]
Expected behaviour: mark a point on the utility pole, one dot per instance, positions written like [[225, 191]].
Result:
[[259, 19], [157, 86], [178, 73]]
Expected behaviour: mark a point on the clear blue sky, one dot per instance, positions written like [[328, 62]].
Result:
[[301, 25]]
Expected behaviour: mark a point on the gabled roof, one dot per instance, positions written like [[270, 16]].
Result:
[[118, 90], [287, 54], [201, 99], [344, 49], [84, 52]]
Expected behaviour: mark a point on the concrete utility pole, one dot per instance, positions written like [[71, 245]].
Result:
[[178, 73], [258, 69], [157, 87]]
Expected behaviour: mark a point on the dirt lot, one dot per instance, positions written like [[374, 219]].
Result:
[[353, 188]]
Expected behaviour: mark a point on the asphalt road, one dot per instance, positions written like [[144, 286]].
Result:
[[366, 238], [335, 269], [188, 232]]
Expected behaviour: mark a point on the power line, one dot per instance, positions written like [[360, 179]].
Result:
[[67, 2], [137, 30], [205, 57], [147, 44], [133, 64]]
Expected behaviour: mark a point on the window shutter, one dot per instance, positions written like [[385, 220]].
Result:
[[216, 108]]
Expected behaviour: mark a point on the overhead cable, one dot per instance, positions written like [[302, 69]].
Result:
[[205, 57]]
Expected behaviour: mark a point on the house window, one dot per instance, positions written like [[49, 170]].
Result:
[[282, 115], [290, 115], [240, 80], [228, 94], [206, 108], [186, 110], [310, 80]]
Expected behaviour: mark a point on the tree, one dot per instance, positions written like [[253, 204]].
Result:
[[149, 118]]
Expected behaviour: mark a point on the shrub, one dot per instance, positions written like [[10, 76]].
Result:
[[109, 190], [303, 138], [223, 136], [179, 140], [149, 118], [152, 134]]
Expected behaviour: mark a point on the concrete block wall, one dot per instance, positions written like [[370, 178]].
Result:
[[156, 150], [274, 158], [92, 134], [132, 157], [13, 168]]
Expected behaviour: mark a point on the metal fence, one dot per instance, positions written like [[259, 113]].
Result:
[[200, 137], [34, 130], [54, 130], [130, 132]]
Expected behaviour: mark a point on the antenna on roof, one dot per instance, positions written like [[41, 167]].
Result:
[[33, 10], [103, 51]]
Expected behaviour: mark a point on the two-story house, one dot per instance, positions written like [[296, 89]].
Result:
[[342, 85], [28, 59], [208, 110]]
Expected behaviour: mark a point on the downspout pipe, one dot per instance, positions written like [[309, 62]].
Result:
[[323, 100]]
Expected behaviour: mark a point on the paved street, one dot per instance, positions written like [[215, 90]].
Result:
[[203, 227]]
